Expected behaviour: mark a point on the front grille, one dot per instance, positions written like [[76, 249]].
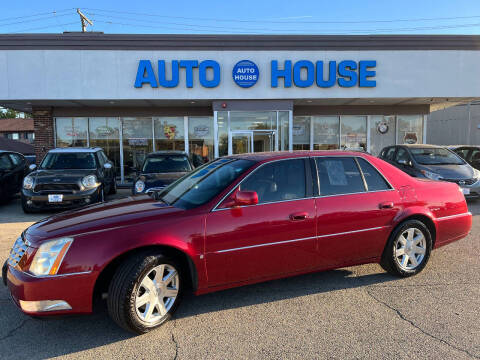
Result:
[[65, 188], [462, 181], [17, 252]]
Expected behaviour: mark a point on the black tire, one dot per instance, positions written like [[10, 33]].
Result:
[[389, 260], [125, 284], [101, 195], [113, 188]]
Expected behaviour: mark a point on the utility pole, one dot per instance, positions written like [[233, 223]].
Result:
[[84, 20]]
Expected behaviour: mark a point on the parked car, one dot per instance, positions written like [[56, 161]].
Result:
[[436, 163], [160, 169], [469, 153], [68, 177], [13, 167], [237, 220]]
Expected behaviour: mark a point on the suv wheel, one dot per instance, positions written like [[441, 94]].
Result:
[[408, 249], [144, 292], [113, 187]]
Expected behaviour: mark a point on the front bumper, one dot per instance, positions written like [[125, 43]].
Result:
[[53, 295], [40, 201], [473, 190]]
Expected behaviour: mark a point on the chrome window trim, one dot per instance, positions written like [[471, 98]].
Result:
[[248, 175], [215, 208], [299, 239], [453, 216]]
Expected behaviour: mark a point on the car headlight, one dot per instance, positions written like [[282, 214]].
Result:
[[431, 175], [28, 182], [476, 174], [89, 181], [139, 186], [49, 257]]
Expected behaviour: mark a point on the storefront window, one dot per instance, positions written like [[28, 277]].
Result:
[[200, 139], [169, 133], [253, 120], [301, 133], [137, 143], [71, 132], [410, 129], [353, 130], [325, 132], [105, 133], [382, 133]]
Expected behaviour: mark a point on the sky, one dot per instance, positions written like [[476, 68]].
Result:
[[244, 16]]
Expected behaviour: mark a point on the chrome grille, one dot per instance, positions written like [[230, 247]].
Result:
[[462, 181], [17, 252]]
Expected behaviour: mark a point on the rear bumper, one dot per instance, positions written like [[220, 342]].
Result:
[[40, 201], [452, 228], [27, 291]]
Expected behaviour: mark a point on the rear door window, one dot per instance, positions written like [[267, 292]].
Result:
[[390, 153], [339, 175], [16, 159], [402, 155], [375, 181]]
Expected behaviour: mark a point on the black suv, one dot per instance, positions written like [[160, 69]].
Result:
[[68, 177], [436, 163], [13, 167]]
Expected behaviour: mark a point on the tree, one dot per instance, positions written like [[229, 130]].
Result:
[[9, 113]]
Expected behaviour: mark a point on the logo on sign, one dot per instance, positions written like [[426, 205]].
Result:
[[245, 73]]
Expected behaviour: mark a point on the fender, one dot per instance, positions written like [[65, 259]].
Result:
[[415, 211]]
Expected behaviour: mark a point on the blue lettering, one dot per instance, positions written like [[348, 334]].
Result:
[[204, 65], [297, 73], [332, 74], [145, 74], [346, 69], [189, 65], [364, 73], [286, 73], [162, 75]]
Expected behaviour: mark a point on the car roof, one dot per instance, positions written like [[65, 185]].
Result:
[[421, 146], [265, 156], [10, 152], [75, 150], [461, 146], [167, 152]]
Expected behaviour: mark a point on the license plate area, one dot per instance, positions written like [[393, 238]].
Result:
[[55, 198], [465, 191]]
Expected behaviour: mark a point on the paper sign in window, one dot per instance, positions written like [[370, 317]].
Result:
[[336, 172]]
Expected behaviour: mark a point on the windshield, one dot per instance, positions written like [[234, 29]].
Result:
[[435, 156], [166, 164], [57, 161], [202, 185]]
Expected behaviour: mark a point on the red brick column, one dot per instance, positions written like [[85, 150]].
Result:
[[43, 125]]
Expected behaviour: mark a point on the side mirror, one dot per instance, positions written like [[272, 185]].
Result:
[[32, 167], [107, 166], [245, 198]]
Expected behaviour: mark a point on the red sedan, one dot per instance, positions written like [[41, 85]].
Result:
[[237, 220]]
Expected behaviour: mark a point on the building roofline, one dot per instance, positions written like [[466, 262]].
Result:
[[100, 41]]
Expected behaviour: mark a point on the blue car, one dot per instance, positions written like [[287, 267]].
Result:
[[160, 169]]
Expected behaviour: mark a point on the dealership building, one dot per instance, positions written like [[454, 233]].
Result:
[[216, 95]]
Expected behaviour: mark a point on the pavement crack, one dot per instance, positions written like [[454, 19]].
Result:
[[12, 332], [404, 318], [175, 340]]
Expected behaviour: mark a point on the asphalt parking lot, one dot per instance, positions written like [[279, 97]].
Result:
[[358, 312]]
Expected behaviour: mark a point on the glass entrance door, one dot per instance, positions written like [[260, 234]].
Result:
[[253, 141], [264, 141], [241, 142]]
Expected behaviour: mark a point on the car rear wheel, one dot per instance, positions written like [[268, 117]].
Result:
[[408, 249], [144, 292]]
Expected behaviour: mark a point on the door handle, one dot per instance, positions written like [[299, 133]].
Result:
[[298, 216], [386, 205]]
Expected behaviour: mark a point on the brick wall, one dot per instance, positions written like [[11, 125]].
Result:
[[43, 124]]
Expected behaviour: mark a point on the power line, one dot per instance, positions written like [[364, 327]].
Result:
[[38, 19], [287, 22], [42, 27], [54, 12]]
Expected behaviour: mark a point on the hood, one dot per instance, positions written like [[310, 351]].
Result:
[[160, 179], [454, 172], [64, 176], [99, 217]]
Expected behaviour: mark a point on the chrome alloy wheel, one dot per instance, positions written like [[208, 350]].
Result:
[[410, 249], [157, 293]]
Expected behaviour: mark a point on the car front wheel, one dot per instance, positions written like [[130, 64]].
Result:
[[144, 292], [408, 249]]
